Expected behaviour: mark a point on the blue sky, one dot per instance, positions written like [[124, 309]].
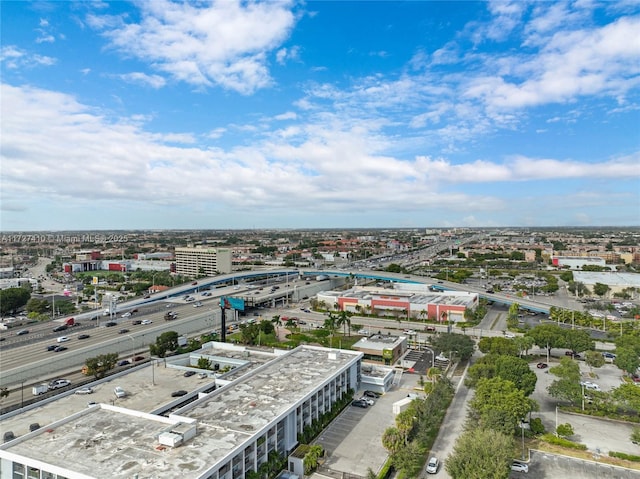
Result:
[[285, 114]]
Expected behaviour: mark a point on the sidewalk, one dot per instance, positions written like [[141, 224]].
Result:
[[453, 424]]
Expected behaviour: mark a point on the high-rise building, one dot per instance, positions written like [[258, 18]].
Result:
[[202, 261]]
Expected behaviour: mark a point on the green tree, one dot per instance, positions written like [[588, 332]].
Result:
[[204, 363], [36, 305], [409, 459], [547, 336], [13, 298], [635, 435], [510, 368], [564, 430], [497, 345], [578, 340], [628, 396], [523, 344], [627, 359], [167, 341], [392, 439], [344, 320], [594, 359], [480, 454], [499, 405], [600, 289], [101, 364], [629, 341], [567, 386], [461, 343]]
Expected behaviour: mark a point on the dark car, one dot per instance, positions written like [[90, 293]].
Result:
[[359, 403], [59, 349], [139, 358], [372, 394], [124, 362], [62, 327], [573, 354], [52, 347], [542, 365], [176, 394], [110, 324], [189, 374], [136, 322], [22, 332], [84, 336], [34, 426], [123, 331], [9, 436]]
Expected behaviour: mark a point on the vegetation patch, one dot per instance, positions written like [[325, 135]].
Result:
[[560, 441]]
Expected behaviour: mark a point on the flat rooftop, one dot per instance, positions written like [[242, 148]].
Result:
[[107, 441]]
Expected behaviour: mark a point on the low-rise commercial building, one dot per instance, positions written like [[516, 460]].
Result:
[[408, 301]]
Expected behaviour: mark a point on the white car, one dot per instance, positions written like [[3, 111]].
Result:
[[433, 465], [126, 315], [85, 390], [509, 335], [146, 321], [409, 332], [59, 383], [591, 386], [369, 401], [119, 392], [519, 467], [62, 339]]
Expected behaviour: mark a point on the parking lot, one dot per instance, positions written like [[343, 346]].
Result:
[[551, 466], [353, 441]]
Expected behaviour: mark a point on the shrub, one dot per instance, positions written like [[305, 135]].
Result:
[[622, 455], [559, 441], [536, 426]]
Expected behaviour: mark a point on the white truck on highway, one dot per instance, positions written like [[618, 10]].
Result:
[[39, 389]]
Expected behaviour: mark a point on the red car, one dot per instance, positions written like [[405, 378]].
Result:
[[635, 378], [542, 365], [194, 283]]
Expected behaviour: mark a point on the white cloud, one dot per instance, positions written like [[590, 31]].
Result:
[[290, 115], [571, 64], [16, 58], [223, 44], [154, 81]]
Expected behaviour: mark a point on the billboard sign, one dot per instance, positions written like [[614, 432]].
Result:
[[232, 303]]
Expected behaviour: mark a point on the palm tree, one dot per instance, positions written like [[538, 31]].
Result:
[[344, 320], [330, 324]]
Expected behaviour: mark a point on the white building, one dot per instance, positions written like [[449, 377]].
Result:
[[196, 262], [223, 434]]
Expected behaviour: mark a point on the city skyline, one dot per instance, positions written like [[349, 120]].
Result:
[[290, 115]]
